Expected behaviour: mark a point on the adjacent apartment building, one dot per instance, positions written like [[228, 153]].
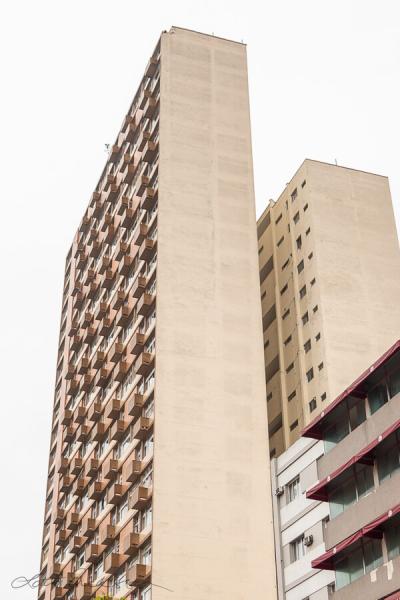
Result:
[[330, 276], [158, 482]]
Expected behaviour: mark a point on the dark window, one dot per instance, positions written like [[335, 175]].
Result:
[[266, 344], [298, 242], [269, 396], [266, 269], [263, 294], [312, 405], [303, 184], [307, 346], [280, 241], [294, 425], [308, 230], [278, 219], [310, 374], [296, 217], [272, 368], [283, 290], [317, 337], [275, 425], [304, 318], [312, 282], [300, 266], [272, 453], [377, 397], [323, 396], [315, 308], [288, 339], [320, 366], [294, 195], [262, 226], [260, 249], [285, 265], [305, 207], [286, 314], [290, 367], [310, 255], [303, 291], [269, 317], [291, 395]]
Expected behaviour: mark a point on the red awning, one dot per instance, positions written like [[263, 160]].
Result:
[[313, 429], [395, 596], [327, 560], [319, 491]]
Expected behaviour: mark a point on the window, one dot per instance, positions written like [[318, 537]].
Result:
[[266, 344], [293, 489], [269, 396], [297, 549], [278, 219], [323, 396], [294, 195], [303, 184], [300, 266], [260, 249], [286, 314], [298, 243], [305, 207], [318, 337], [312, 405], [283, 290], [280, 241], [304, 318], [272, 453], [307, 346], [320, 366], [303, 292], [388, 457], [308, 230], [310, 374], [310, 255], [377, 397], [263, 294], [394, 383], [288, 340], [290, 367], [294, 425], [312, 282], [285, 265], [291, 395], [296, 217], [392, 536]]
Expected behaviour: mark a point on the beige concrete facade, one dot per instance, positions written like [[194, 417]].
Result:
[[159, 483], [329, 269]]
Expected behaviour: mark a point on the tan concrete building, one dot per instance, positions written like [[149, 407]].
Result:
[[158, 483], [330, 273]]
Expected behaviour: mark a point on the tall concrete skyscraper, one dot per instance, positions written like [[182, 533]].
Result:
[[158, 483], [330, 282]]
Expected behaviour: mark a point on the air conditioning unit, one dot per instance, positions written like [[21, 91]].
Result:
[[308, 540], [279, 491]]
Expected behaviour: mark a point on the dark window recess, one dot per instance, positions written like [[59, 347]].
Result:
[[304, 318], [280, 241], [303, 291], [303, 184], [263, 294], [310, 255], [320, 366], [285, 264], [323, 397], [317, 337], [310, 374], [278, 219], [291, 395], [275, 425], [313, 281], [286, 314], [298, 242], [312, 405], [269, 396], [294, 425], [308, 231], [260, 249], [307, 346], [294, 195], [288, 339], [272, 368], [315, 308], [266, 344], [266, 269], [290, 368], [296, 217], [300, 266], [269, 317], [272, 453], [283, 290], [305, 207], [262, 226]]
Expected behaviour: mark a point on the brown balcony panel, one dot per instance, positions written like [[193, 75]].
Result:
[[140, 497], [59, 592], [97, 205], [87, 319], [91, 467], [143, 139], [76, 342], [101, 310], [77, 464], [55, 570], [138, 574], [145, 363], [114, 562], [81, 485], [118, 429], [93, 552], [61, 537], [103, 376], [137, 342], [142, 428], [116, 352], [122, 369], [60, 516], [78, 301], [90, 276], [67, 417], [84, 364], [99, 359], [149, 108], [80, 414], [130, 170], [135, 404], [87, 379], [100, 431], [110, 468], [116, 493], [140, 234], [147, 249], [64, 465], [107, 534], [118, 299], [88, 526], [69, 433], [72, 521], [111, 233], [77, 287], [96, 489], [113, 408], [106, 325], [95, 248], [74, 327], [112, 192], [106, 221], [149, 198], [83, 433], [145, 304], [132, 542], [65, 483], [144, 181], [146, 94], [124, 313], [85, 591], [149, 151], [73, 387], [139, 287], [70, 372], [70, 579], [132, 469], [95, 411], [151, 67], [128, 217], [125, 264], [81, 261], [106, 263], [76, 544]]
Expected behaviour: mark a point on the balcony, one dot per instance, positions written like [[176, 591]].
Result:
[[103, 375], [113, 562], [78, 301], [118, 299], [124, 313], [140, 498], [74, 327], [147, 249], [108, 279], [145, 304], [77, 464], [90, 334], [80, 414], [116, 493], [64, 465], [69, 433], [60, 516], [83, 433], [131, 470], [125, 264], [149, 151], [67, 417], [87, 380], [149, 108], [142, 428], [132, 542], [96, 489], [88, 526], [151, 67], [110, 468], [80, 486], [101, 310], [59, 592], [130, 213], [90, 276], [139, 286], [144, 137], [93, 288], [87, 319], [78, 287], [137, 342], [113, 408], [99, 359], [85, 591], [72, 521], [76, 341], [65, 483], [112, 192], [122, 369], [61, 538], [107, 534], [111, 232], [92, 467], [140, 234], [100, 431], [145, 363], [130, 126], [114, 152], [149, 198], [55, 570], [93, 553], [70, 579], [76, 544], [96, 204], [81, 260], [138, 574], [130, 170], [73, 387], [118, 429], [144, 181], [95, 248], [85, 223], [135, 404], [95, 411], [116, 352]]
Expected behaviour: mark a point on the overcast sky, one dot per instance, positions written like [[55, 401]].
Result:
[[324, 84]]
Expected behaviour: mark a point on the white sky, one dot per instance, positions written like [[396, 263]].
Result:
[[324, 84]]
